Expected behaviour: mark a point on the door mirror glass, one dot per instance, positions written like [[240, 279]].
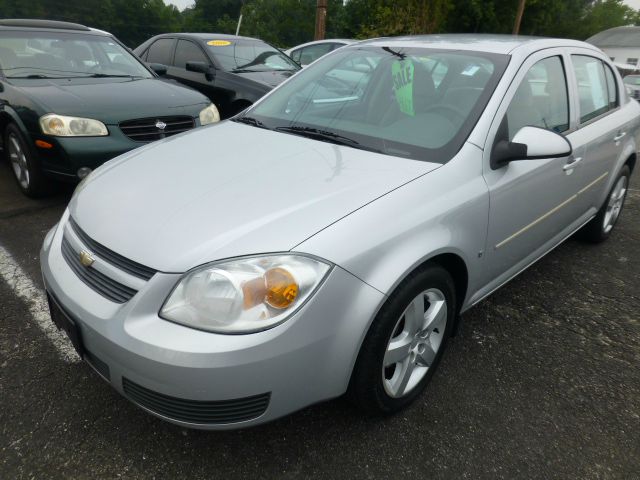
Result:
[[159, 68], [530, 143], [199, 67]]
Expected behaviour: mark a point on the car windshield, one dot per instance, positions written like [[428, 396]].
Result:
[[65, 55], [410, 102], [632, 80], [249, 56]]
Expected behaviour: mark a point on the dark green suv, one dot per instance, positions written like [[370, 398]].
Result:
[[73, 97]]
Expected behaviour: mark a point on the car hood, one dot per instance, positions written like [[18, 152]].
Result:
[[272, 78], [112, 100], [229, 190]]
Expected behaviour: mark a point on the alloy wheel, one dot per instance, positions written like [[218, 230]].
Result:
[[414, 343], [614, 204], [18, 161]]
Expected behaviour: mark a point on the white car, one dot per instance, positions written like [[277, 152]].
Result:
[[309, 52]]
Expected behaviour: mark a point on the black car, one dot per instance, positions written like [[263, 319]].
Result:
[[232, 71], [72, 97]]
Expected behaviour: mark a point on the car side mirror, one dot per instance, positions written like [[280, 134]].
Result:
[[159, 68], [201, 67], [530, 143]]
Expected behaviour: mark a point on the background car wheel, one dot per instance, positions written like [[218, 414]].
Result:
[[24, 167], [405, 342], [601, 226]]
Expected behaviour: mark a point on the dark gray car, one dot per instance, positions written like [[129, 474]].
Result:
[[232, 71]]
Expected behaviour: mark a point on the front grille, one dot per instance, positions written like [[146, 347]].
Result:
[[197, 411], [147, 130], [105, 286], [113, 258]]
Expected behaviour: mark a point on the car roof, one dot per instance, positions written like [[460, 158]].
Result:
[[22, 24], [502, 44], [346, 41], [209, 36]]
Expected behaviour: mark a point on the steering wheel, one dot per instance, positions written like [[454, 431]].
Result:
[[453, 114]]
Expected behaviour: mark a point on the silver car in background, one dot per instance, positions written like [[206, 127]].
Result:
[[326, 240], [307, 53]]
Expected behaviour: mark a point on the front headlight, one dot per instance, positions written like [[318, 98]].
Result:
[[209, 115], [62, 126], [244, 295]]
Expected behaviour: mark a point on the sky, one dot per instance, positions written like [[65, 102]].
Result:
[[182, 4]]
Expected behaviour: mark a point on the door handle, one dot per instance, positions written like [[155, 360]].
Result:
[[619, 136], [572, 163]]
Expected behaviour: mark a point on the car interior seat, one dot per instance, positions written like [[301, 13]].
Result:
[[77, 55]]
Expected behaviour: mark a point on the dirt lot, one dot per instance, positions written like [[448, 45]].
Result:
[[542, 382]]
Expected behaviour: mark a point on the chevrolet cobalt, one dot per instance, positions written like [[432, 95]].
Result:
[[326, 240]]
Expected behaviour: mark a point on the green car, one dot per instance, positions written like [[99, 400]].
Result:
[[72, 97]]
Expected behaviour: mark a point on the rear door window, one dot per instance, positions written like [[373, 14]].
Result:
[[593, 93], [612, 87], [313, 52], [161, 51]]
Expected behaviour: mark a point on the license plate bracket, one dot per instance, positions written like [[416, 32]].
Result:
[[64, 322]]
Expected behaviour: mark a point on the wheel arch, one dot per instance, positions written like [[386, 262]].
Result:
[[457, 268], [631, 161], [451, 262], [7, 116]]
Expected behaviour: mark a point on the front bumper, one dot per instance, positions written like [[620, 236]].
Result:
[[167, 368], [69, 154]]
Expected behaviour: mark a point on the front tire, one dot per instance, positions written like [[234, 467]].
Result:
[[601, 226], [405, 342], [24, 166]]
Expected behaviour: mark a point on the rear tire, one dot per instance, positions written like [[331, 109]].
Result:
[[23, 164], [405, 343], [600, 227]]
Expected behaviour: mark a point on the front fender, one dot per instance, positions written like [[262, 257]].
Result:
[[443, 211], [11, 116]]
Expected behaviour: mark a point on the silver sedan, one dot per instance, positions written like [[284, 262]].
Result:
[[326, 240]]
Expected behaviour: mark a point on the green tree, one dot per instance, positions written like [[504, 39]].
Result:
[[286, 23], [374, 18]]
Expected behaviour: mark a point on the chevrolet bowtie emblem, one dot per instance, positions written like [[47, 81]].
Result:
[[86, 258]]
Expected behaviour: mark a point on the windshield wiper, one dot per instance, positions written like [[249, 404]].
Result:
[[248, 70], [109, 75], [250, 121], [33, 75], [325, 135]]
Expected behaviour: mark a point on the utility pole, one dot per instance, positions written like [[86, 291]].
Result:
[[321, 19], [240, 19], [516, 25]]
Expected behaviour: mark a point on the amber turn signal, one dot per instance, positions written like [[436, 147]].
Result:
[[43, 144], [282, 288]]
